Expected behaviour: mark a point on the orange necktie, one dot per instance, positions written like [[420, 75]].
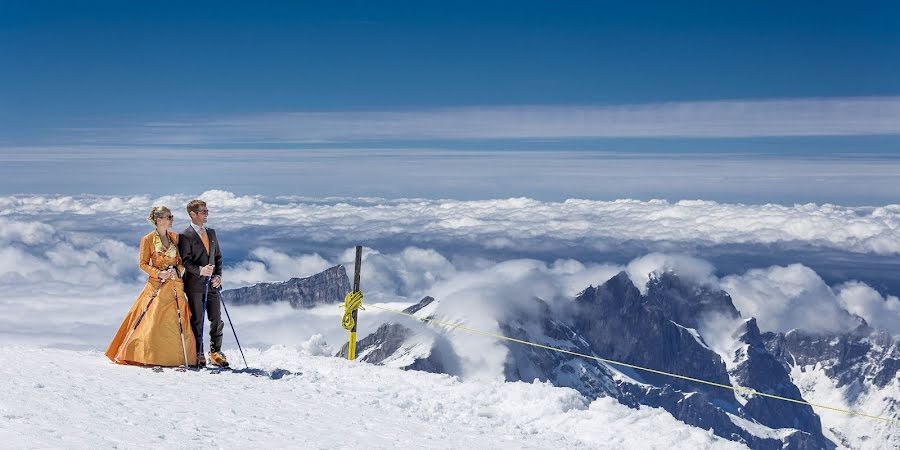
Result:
[[205, 239]]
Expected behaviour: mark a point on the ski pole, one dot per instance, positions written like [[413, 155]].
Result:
[[180, 325], [222, 299], [205, 295], [138, 322], [202, 321]]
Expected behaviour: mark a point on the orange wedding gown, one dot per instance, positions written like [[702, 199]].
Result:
[[157, 340]]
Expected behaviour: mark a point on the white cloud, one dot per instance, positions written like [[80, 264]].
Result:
[[686, 267], [573, 276], [68, 265], [407, 274], [41, 253], [503, 224], [267, 265], [28, 233], [558, 173], [879, 311], [783, 298], [700, 119], [478, 299]]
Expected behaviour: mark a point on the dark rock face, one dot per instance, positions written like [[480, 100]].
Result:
[[624, 326], [529, 363], [418, 306], [325, 288], [759, 369], [381, 344], [686, 303], [390, 341], [658, 330]]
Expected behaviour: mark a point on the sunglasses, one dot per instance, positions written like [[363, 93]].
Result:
[[202, 211]]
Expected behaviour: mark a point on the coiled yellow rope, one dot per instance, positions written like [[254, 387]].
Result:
[[352, 302]]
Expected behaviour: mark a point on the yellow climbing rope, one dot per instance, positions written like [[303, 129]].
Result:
[[460, 326], [352, 302]]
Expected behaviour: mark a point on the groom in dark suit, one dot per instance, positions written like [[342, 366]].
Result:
[[202, 261]]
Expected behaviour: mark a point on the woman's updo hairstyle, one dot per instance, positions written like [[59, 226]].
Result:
[[158, 212]]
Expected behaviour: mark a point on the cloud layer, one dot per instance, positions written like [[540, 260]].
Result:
[[784, 298], [503, 224], [68, 264], [879, 310], [657, 170], [700, 119]]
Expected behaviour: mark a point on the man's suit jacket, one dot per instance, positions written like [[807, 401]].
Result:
[[194, 256]]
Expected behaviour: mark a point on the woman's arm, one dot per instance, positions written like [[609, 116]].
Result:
[[144, 260], [178, 264]]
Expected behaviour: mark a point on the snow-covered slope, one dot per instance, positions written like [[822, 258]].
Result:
[[857, 370], [847, 430], [63, 398]]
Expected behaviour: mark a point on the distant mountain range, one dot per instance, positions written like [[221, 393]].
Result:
[[660, 329]]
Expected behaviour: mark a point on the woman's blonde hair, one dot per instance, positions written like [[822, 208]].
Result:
[[158, 212]]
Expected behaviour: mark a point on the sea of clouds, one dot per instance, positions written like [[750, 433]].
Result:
[[490, 224], [68, 264]]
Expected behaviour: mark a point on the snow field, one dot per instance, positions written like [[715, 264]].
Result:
[[78, 399], [848, 430]]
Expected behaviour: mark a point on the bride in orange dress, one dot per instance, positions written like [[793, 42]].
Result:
[[155, 338]]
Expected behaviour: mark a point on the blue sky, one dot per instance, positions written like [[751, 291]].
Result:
[[71, 63], [804, 79]]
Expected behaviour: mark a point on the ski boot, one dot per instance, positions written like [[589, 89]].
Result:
[[218, 359]]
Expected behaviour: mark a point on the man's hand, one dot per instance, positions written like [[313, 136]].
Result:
[[207, 270], [216, 281]]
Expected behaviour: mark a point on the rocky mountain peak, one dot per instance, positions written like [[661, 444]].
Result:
[[619, 286], [755, 367], [621, 324], [427, 300], [686, 302], [748, 332], [324, 288]]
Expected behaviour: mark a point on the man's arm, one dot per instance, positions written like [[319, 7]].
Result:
[[187, 255], [218, 259]]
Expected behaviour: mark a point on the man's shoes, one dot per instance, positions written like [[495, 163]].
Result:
[[201, 361], [218, 358]]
